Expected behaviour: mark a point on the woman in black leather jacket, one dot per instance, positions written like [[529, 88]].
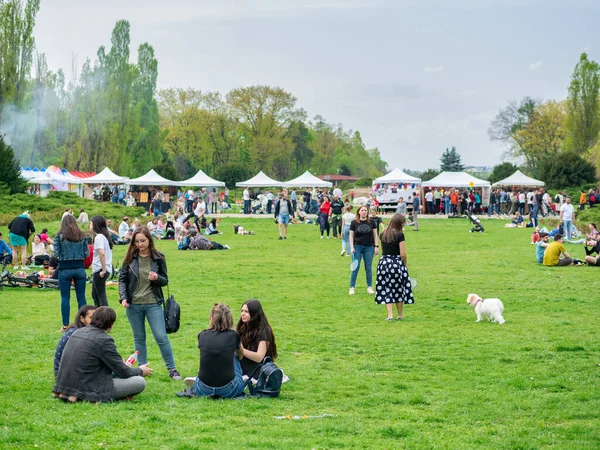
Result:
[[142, 277]]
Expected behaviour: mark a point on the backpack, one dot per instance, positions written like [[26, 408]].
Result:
[[269, 378], [172, 315]]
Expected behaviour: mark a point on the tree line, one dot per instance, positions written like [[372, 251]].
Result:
[[556, 141], [109, 113]]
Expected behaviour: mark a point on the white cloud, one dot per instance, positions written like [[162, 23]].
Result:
[[434, 69], [535, 66]]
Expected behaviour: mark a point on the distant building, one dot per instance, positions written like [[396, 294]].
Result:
[[338, 179]]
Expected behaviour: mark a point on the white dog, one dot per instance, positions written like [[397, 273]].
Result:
[[491, 307]]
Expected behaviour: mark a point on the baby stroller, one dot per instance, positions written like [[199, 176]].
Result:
[[478, 227], [259, 206]]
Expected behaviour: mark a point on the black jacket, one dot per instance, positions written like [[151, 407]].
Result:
[[21, 226], [129, 277], [290, 209], [86, 366]]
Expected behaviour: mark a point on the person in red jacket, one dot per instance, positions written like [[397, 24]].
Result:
[[324, 211]]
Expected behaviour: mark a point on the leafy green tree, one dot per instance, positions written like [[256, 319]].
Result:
[[450, 161], [566, 170], [10, 172], [502, 171], [16, 50], [583, 119], [508, 124], [429, 174], [232, 173]]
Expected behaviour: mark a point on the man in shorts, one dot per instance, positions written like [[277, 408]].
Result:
[[283, 210]]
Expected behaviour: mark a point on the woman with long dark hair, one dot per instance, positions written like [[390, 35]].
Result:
[[102, 262], [220, 373], [71, 249], [256, 335], [82, 319], [363, 245], [393, 282], [143, 275]]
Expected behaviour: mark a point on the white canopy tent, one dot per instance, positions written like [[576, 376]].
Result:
[[42, 178], [457, 180], [151, 179], [396, 176], [260, 180], [307, 179], [519, 179], [107, 176], [201, 179]]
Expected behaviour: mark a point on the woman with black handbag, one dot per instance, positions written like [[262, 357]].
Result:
[[143, 275]]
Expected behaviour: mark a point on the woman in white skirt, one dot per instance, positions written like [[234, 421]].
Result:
[[393, 282]]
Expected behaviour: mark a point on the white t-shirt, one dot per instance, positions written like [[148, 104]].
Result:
[[338, 192], [123, 229], [429, 197], [246, 194], [567, 211], [200, 208], [100, 241], [348, 218], [38, 249]]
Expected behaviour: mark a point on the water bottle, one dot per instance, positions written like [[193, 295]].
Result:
[[132, 359]]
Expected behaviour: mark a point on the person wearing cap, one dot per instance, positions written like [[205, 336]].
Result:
[[20, 228], [552, 255], [541, 246]]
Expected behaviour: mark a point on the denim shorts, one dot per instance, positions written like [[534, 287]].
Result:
[[284, 219]]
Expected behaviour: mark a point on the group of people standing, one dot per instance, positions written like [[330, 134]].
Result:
[[394, 286]]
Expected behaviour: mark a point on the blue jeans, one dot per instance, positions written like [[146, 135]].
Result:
[[447, 205], [65, 276], [366, 253], [156, 319], [232, 389], [346, 239], [567, 224], [246, 206]]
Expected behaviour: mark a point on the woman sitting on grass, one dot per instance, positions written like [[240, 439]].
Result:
[[516, 222], [38, 252], [256, 335], [220, 372], [82, 319], [212, 227]]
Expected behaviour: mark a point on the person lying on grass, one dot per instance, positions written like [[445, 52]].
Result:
[[89, 360]]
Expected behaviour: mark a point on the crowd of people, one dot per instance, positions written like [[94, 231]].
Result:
[[227, 355]]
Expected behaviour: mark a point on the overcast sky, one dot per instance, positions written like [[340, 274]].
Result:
[[414, 77]]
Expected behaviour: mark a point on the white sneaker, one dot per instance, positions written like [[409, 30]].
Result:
[[370, 290], [24, 268], [351, 291], [189, 381], [343, 252], [327, 237], [226, 246], [321, 237]]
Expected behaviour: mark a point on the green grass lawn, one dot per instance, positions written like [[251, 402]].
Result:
[[435, 380]]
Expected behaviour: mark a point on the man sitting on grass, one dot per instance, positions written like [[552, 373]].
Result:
[[552, 255], [541, 247], [89, 360]]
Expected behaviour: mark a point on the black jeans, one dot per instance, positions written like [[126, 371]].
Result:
[[99, 289]]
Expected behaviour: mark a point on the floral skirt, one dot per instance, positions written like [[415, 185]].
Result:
[[393, 282]]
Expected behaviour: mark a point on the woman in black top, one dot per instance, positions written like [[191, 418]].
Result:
[[220, 373], [393, 282], [256, 335], [363, 245]]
